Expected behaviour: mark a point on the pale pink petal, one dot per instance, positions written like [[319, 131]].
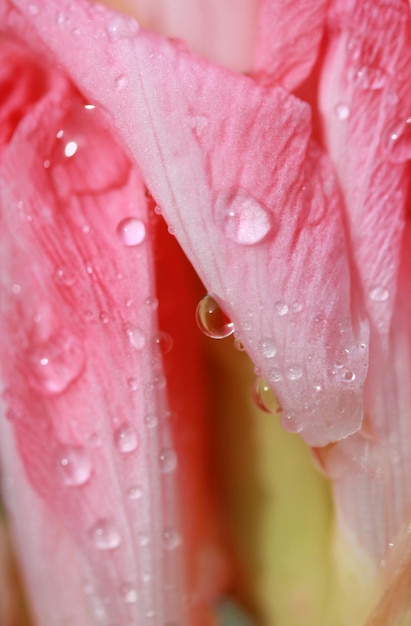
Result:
[[83, 375], [217, 153], [288, 40], [222, 31]]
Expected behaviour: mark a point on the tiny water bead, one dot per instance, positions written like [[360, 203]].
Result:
[[268, 348], [74, 465], [264, 397], [398, 141], [121, 25], [64, 275], [151, 420], [212, 320], [129, 594], [136, 337], [135, 492], [242, 218], [125, 439], [281, 308], [379, 294], [131, 231], [167, 460], [171, 539], [105, 535], [55, 364], [294, 373], [342, 111]]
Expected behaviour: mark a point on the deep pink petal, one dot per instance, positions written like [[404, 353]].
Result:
[[288, 40], [210, 143]]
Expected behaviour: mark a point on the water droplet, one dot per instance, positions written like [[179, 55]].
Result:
[[212, 320], [171, 539], [348, 376], [105, 535], [136, 337], [198, 123], [134, 492], [369, 77], [55, 364], [61, 19], [238, 344], [264, 397], [398, 143], [268, 348], [103, 317], [290, 424], [129, 594], [131, 231], [379, 294], [151, 420], [294, 373], [132, 384], [296, 307], [243, 219], [275, 375], [121, 25], [64, 275], [120, 82], [73, 465], [342, 111], [152, 303], [168, 460], [164, 342], [125, 439], [281, 308]]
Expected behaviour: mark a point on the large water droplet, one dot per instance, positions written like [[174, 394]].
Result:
[[73, 465], [398, 142], [131, 231], [268, 348], [264, 397], [212, 320], [125, 439], [55, 364], [243, 219], [379, 294], [168, 460], [105, 535]]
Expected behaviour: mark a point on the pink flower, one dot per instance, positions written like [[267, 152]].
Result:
[[287, 190]]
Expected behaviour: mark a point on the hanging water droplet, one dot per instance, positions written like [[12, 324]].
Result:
[[242, 218], [379, 294], [342, 111], [171, 539], [212, 320], [268, 348], [294, 373], [164, 342], [136, 337], [125, 439], [105, 535], [135, 492], [168, 460], [131, 231], [121, 25], [238, 344], [55, 364], [74, 465], [151, 420], [281, 308], [128, 593], [398, 142], [264, 397]]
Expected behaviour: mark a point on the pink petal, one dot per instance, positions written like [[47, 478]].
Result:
[[209, 142], [83, 373], [288, 40]]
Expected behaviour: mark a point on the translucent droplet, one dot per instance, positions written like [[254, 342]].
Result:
[[281, 308], [275, 375], [171, 539], [121, 25], [348, 376], [125, 439], [238, 345], [64, 275], [268, 348], [379, 294], [120, 82], [105, 535], [168, 460], [129, 594], [136, 337], [134, 492], [151, 420], [74, 465], [212, 320], [264, 397], [55, 364], [103, 317], [398, 142], [294, 373], [342, 111], [131, 231], [164, 342], [369, 77], [62, 19], [290, 424], [243, 219], [132, 384], [296, 307]]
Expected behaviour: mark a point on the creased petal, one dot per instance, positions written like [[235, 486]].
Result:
[[288, 40]]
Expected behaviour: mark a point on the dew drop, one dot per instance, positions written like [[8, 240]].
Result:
[[369, 77], [136, 337], [281, 308], [64, 275], [348, 376], [398, 142], [342, 111], [132, 384], [74, 465], [120, 82], [105, 535], [135, 492], [121, 25], [243, 219], [296, 307], [268, 348], [129, 594], [290, 424], [55, 364], [131, 231], [294, 373], [264, 397], [151, 420], [61, 19], [379, 294], [275, 375], [171, 539], [212, 320], [125, 439], [164, 342], [167, 460]]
